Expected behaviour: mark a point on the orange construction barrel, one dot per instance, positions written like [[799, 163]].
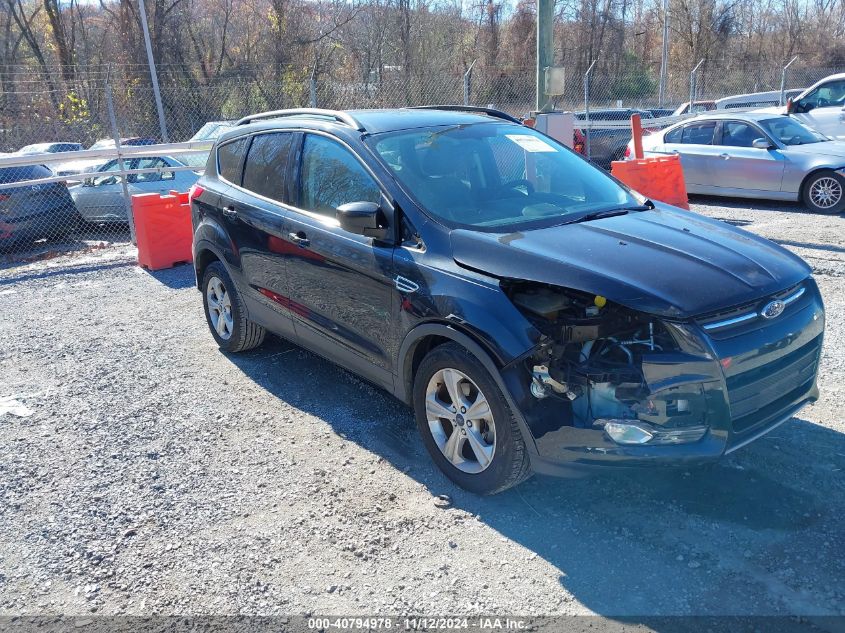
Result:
[[658, 178], [162, 229]]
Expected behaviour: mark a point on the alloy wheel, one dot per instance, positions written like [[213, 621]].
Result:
[[219, 308], [826, 192], [460, 420]]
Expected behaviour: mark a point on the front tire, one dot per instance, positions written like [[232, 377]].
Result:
[[466, 423], [824, 192], [225, 313]]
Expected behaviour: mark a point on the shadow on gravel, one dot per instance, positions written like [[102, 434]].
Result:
[[63, 271], [811, 245], [625, 544], [175, 277]]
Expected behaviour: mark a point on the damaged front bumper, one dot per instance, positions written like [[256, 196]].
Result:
[[718, 392]]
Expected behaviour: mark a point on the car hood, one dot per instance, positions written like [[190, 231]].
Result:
[[828, 148], [665, 262]]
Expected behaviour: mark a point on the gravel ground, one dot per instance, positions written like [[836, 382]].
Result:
[[157, 476]]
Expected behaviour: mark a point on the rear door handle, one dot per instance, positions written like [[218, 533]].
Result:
[[230, 212], [300, 239]]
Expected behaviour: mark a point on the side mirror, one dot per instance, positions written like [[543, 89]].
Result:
[[761, 143], [88, 182], [362, 218]]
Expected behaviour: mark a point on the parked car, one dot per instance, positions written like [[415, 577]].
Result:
[[100, 197], [698, 106], [208, 132], [74, 169], [30, 212], [608, 145], [736, 102], [537, 315], [211, 130], [49, 148], [756, 155], [822, 106]]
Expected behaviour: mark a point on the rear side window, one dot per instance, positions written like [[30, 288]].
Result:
[[229, 160], [332, 176], [266, 165], [699, 133]]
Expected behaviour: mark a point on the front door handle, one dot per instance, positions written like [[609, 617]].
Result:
[[300, 239], [725, 156], [230, 212]]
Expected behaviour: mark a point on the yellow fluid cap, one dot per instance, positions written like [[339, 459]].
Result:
[[600, 301]]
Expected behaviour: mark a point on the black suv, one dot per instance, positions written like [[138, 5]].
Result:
[[536, 314]]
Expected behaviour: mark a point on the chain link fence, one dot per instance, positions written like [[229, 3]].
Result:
[[51, 202]]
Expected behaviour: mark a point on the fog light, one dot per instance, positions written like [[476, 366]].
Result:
[[632, 432], [627, 432]]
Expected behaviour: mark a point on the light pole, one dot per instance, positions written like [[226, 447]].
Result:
[[153, 75], [664, 56], [545, 50]]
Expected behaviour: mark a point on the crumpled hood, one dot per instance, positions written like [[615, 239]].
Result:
[[829, 148], [665, 262]]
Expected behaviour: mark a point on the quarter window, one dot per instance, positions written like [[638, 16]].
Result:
[[229, 160], [266, 165], [698, 133], [332, 176]]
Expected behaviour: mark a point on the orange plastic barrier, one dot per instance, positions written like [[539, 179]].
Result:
[[658, 178], [162, 229]]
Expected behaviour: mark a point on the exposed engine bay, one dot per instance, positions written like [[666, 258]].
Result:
[[591, 357]]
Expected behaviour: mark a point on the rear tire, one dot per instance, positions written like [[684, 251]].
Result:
[[225, 312], [477, 444], [824, 192]]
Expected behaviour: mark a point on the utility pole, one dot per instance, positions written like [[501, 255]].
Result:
[[153, 75], [664, 56], [545, 47]]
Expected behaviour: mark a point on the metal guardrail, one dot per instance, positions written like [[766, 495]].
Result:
[[124, 152]]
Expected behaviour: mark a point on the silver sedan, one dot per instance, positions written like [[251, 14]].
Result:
[[756, 155], [100, 197]]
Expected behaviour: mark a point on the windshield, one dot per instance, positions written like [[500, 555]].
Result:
[[789, 132], [495, 177]]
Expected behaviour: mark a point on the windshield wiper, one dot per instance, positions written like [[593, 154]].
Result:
[[609, 213]]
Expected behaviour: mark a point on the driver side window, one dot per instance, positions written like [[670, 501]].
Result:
[[103, 176], [739, 134], [331, 176], [829, 94]]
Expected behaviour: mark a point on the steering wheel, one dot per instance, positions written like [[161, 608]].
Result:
[[513, 184], [822, 102]]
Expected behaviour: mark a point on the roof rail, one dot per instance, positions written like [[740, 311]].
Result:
[[335, 115], [465, 108]]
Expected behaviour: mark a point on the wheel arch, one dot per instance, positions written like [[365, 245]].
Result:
[[423, 338], [814, 172], [203, 257]]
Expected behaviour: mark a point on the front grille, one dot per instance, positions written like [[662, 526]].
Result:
[[759, 395], [723, 323]]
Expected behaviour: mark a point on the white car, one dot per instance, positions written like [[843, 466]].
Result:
[[100, 197], [821, 107]]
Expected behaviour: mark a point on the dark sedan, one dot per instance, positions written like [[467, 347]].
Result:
[[33, 211]]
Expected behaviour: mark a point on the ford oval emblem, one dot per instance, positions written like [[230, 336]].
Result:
[[773, 309]]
